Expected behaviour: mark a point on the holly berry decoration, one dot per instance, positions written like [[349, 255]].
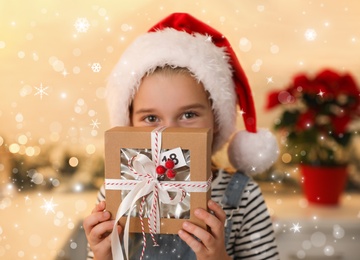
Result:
[[169, 164], [160, 170], [168, 169], [170, 173]]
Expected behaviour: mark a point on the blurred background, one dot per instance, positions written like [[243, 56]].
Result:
[[55, 57]]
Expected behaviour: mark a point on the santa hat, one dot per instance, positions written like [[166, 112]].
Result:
[[180, 40]]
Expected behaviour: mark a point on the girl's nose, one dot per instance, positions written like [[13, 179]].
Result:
[[170, 123]]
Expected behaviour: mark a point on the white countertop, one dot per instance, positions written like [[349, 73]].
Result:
[[310, 231], [27, 231], [291, 207]]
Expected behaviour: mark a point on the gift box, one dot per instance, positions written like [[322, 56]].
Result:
[[132, 156]]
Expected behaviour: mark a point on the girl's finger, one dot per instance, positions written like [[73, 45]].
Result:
[[216, 225], [207, 239], [94, 219], [194, 244], [217, 209], [100, 231], [99, 207]]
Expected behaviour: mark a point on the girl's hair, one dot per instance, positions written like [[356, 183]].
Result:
[[168, 70]]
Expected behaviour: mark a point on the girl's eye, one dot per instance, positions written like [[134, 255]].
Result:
[[188, 115], [150, 119]]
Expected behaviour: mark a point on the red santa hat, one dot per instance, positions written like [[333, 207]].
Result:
[[181, 40]]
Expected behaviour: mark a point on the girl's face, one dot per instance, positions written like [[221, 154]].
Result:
[[172, 100]]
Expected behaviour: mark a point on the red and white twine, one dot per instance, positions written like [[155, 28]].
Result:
[[145, 183]]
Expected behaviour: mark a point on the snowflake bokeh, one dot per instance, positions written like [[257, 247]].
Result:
[[49, 206], [95, 123], [41, 91], [82, 25], [96, 67], [51, 147], [295, 227]]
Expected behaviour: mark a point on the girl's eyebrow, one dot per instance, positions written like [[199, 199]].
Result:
[[145, 111], [186, 107], [193, 106]]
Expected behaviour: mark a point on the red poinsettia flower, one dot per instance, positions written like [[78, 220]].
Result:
[[305, 120], [301, 83], [348, 86], [340, 124], [317, 112], [272, 100], [336, 85], [276, 98]]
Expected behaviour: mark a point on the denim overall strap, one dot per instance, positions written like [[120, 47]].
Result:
[[172, 247], [232, 198]]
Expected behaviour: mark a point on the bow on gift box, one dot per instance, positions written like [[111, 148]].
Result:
[[146, 183]]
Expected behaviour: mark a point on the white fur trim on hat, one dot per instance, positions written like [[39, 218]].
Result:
[[205, 60]]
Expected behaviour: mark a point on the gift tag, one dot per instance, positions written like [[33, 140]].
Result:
[[174, 154]]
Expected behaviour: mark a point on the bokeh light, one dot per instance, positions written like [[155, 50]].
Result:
[[73, 161], [51, 139]]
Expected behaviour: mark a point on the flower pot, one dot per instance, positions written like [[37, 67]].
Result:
[[323, 185]]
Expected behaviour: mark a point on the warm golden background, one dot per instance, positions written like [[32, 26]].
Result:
[[55, 57], [40, 46]]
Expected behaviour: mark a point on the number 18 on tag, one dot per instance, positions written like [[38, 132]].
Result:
[[176, 155]]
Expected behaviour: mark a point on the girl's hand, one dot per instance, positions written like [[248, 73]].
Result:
[[212, 243], [98, 227]]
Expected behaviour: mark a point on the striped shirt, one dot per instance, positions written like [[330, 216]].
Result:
[[252, 235]]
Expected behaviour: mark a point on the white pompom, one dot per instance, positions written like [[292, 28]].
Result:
[[253, 153]]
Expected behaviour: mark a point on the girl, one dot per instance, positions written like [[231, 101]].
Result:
[[183, 73]]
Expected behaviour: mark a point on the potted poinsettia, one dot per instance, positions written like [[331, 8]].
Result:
[[317, 123]]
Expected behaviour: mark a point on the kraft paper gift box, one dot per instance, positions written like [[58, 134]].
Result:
[[194, 142]]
